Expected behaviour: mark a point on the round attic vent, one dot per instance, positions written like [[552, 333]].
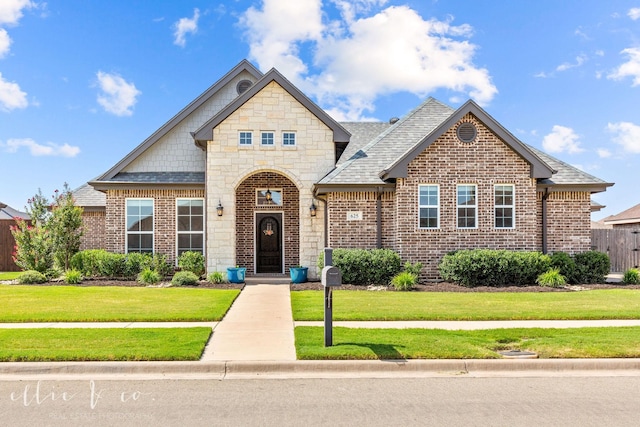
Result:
[[243, 85], [466, 132]]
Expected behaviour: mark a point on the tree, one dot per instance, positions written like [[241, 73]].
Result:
[[65, 227]]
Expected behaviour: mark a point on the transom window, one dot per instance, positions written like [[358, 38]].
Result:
[[429, 206], [288, 138], [504, 204], [267, 138], [140, 225], [190, 224], [245, 138], [467, 206], [268, 197]]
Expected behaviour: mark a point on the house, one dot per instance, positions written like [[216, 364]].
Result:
[[254, 173], [8, 216], [629, 218]]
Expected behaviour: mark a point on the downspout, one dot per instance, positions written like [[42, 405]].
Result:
[[379, 218], [545, 196], [326, 221]]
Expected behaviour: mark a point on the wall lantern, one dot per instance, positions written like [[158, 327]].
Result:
[[267, 196], [219, 208], [313, 209]]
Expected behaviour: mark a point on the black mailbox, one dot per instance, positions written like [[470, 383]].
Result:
[[331, 276]]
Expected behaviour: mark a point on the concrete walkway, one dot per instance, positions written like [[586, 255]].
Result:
[[259, 326]]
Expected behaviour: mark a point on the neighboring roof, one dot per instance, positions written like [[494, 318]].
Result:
[[244, 65], [567, 176], [595, 206], [629, 216], [7, 212], [87, 197], [204, 134], [398, 168]]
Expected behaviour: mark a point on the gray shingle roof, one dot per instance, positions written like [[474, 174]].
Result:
[[159, 177], [86, 196], [565, 173], [7, 212]]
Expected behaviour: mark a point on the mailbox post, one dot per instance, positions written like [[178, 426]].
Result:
[[331, 276]]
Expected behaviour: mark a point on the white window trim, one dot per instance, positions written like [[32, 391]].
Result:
[[437, 227], [240, 139], [153, 224], [513, 206], [295, 139], [273, 138], [204, 225], [475, 206]]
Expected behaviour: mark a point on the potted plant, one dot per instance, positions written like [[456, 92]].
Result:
[[236, 274], [298, 274]]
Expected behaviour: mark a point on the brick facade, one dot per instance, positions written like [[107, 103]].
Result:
[[94, 226], [568, 221], [164, 217], [246, 209]]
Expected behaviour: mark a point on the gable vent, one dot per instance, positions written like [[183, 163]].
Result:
[[466, 132], [242, 86]]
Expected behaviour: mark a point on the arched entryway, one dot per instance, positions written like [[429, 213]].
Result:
[[267, 223]]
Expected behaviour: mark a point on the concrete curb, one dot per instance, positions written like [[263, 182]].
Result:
[[321, 369]]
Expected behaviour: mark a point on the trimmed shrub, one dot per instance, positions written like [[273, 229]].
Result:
[[631, 277], [31, 277], [404, 281], [489, 267], [217, 277], [591, 267], [72, 277], [111, 264], [365, 266], [551, 278], [184, 278], [148, 277], [160, 265], [192, 261], [565, 265], [414, 269]]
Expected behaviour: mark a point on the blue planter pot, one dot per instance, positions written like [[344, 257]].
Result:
[[298, 274], [236, 274]]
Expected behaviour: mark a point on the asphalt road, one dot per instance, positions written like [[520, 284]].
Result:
[[463, 401]]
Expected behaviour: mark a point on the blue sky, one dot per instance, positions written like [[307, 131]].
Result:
[[83, 82]]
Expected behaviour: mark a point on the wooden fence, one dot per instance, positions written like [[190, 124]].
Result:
[[6, 246], [622, 246]]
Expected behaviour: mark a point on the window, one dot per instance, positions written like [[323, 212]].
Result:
[[504, 206], [429, 206], [140, 225], [288, 138], [268, 197], [190, 222], [467, 206], [267, 138], [246, 138]]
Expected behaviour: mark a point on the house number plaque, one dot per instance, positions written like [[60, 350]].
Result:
[[354, 216]]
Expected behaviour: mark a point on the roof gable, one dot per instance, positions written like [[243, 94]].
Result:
[[398, 169], [205, 132], [243, 66]]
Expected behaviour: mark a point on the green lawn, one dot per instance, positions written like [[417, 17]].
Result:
[[47, 344], [112, 304], [370, 305], [9, 275], [361, 344]]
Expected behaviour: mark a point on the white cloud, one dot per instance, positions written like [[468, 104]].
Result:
[[5, 42], [185, 26], [634, 13], [11, 10], [603, 153], [627, 135], [48, 149], [118, 96], [11, 96], [364, 54], [630, 68], [561, 139], [580, 59]]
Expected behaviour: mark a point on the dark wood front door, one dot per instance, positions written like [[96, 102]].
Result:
[[269, 243]]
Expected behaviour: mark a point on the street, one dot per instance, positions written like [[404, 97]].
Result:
[[454, 401]]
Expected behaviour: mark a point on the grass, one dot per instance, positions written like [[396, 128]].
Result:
[[364, 344], [110, 344], [364, 305], [112, 304], [9, 275]]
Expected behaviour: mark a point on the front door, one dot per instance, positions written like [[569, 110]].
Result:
[[268, 243]]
